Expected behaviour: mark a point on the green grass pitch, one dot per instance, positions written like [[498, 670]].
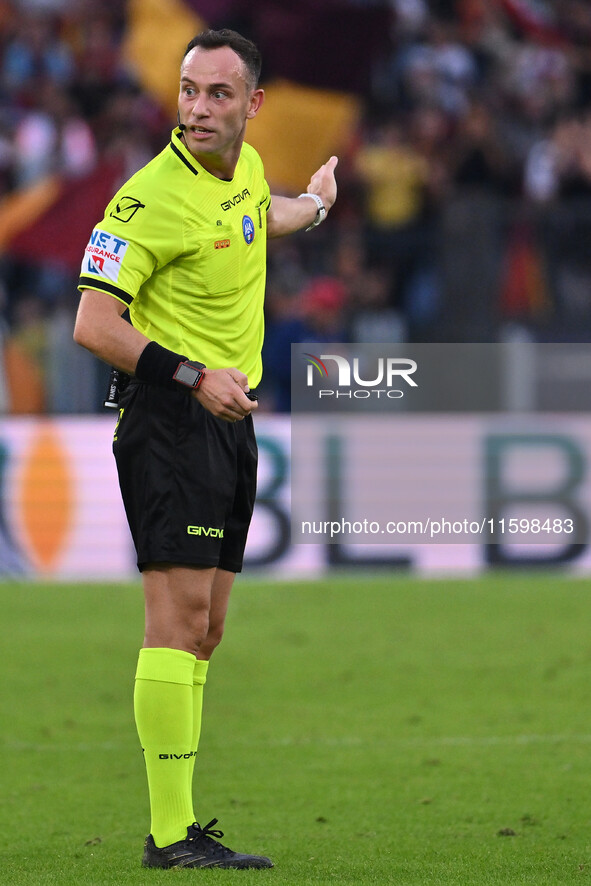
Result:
[[360, 730]]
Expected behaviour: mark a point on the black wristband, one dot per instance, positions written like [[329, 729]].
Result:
[[157, 365]]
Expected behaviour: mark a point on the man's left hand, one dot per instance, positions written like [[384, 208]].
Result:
[[324, 183]]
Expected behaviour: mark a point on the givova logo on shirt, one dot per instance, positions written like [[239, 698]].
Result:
[[104, 255]]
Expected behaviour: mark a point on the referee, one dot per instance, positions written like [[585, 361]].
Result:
[[182, 246]]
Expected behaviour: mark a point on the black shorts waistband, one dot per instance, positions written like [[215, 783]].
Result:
[[173, 385]]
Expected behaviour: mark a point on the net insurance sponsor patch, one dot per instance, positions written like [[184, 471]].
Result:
[[104, 255]]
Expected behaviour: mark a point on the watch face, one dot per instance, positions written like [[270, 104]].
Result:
[[187, 375]]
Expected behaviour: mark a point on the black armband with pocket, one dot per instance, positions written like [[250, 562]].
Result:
[[159, 366]]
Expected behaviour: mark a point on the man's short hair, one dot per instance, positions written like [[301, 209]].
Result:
[[243, 47]]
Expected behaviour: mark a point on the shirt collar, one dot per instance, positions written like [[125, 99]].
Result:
[[179, 148]]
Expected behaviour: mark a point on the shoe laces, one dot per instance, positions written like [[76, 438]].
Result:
[[208, 835]]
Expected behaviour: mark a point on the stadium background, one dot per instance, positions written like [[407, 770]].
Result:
[[463, 130]]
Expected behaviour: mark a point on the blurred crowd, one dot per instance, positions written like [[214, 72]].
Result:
[[464, 211]]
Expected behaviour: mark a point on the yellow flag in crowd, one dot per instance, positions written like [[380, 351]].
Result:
[[20, 209], [157, 33], [297, 130], [298, 127]]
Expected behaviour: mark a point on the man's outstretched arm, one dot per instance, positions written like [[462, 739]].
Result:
[[289, 214]]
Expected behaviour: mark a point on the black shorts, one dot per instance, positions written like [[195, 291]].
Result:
[[188, 479]]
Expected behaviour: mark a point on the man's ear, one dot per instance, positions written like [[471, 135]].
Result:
[[256, 100]]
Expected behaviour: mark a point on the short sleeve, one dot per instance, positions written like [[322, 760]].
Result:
[[135, 238]]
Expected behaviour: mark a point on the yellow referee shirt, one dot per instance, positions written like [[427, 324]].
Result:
[[186, 252]]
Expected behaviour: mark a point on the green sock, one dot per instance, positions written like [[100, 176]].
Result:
[[163, 705], [199, 678]]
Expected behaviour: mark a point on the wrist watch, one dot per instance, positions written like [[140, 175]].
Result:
[[190, 374], [321, 214]]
